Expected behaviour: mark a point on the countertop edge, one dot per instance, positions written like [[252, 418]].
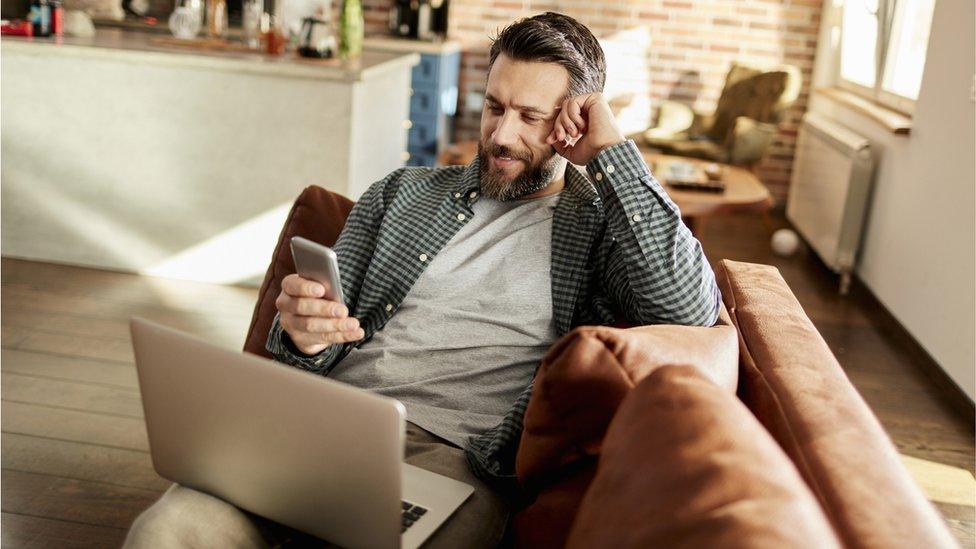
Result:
[[409, 59], [396, 44], [294, 67]]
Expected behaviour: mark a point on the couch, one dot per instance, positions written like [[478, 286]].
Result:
[[747, 433]]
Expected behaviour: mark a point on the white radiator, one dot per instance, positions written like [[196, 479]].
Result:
[[832, 171]]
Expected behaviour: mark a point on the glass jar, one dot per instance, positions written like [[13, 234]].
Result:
[[185, 21], [251, 22]]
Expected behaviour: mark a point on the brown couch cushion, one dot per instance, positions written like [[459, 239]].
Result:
[[547, 521], [577, 391], [796, 388], [588, 372], [685, 464], [318, 215]]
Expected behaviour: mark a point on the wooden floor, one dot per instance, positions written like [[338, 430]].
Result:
[[75, 467]]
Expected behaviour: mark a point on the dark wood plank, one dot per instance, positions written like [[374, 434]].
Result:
[[74, 425], [96, 317], [73, 500], [964, 513], [25, 532], [75, 457], [69, 368], [89, 397], [124, 288], [73, 460], [964, 531], [23, 338]]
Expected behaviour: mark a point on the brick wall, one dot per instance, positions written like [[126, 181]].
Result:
[[656, 49]]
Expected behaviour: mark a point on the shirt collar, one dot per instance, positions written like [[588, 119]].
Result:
[[470, 179]]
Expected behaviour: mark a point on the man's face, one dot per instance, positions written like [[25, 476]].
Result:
[[520, 106]]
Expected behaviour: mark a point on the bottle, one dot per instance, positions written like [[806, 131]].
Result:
[[275, 39], [351, 29], [216, 18], [423, 21], [40, 17], [57, 18], [251, 22]]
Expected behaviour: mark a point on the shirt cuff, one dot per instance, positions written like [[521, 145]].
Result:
[[620, 162], [290, 346]]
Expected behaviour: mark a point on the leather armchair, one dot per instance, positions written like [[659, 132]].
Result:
[[744, 124]]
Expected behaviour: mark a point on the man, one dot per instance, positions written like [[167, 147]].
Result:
[[459, 279]]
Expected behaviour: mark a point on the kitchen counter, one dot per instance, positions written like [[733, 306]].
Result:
[[163, 49], [129, 153]]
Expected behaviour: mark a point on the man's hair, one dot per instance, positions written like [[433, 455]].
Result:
[[555, 38]]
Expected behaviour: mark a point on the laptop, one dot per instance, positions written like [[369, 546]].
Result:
[[313, 453]]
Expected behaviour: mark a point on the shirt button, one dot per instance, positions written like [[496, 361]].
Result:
[[457, 195], [473, 194], [609, 168], [461, 217], [637, 217], [599, 176], [423, 257], [389, 307]]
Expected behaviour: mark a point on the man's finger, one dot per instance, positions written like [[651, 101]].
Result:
[[316, 324], [568, 124], [575, 114], [571, 129], [301, 326], [310, 306], [313, 341], [297, 286], [342, 337], [561, 148]]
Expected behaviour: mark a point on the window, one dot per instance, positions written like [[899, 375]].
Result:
[[882, 49]]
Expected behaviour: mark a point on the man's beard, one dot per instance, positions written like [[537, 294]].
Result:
[[533, 178]]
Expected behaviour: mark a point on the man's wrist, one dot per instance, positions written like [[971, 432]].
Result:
[[609, 143], [293, 347], [617, 163]]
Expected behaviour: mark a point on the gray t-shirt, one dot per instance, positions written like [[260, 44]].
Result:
[[471, 332]]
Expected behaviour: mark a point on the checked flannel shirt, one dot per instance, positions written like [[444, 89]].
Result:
[[618, 244]]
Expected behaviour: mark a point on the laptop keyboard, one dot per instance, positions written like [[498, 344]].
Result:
[[411, 514]]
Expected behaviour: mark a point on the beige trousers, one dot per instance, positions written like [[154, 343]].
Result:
[[184, 517]]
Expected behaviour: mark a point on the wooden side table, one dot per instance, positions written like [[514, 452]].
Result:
[[744, 192]]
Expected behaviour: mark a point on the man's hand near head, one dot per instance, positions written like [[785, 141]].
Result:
[[588, 120], [312, 321]]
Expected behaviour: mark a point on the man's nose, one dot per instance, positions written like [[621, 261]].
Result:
[[506, 132]]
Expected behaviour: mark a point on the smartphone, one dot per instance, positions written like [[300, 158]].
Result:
[[319, 263]]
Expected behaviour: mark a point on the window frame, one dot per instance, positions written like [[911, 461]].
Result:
[[877, 94]]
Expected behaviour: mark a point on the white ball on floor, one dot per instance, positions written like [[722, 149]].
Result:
[[785, 242]]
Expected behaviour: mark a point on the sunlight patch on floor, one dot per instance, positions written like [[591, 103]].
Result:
[[230, 257], [942, 483]]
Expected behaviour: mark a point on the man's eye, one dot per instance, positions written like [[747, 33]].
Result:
[[494, 109], [531, 119]]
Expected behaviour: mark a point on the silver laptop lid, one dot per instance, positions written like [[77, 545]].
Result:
[[289, 445]]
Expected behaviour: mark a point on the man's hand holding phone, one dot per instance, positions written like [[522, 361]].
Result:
[[312, 321]]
